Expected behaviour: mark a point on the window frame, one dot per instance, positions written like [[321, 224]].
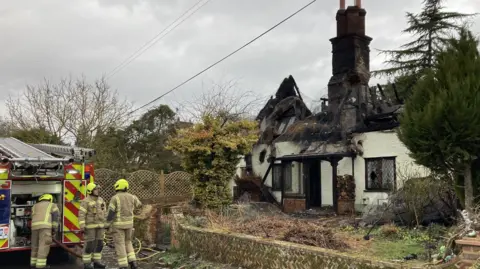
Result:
[[390, 158], [282, 176], [274, 183], [287, 166]]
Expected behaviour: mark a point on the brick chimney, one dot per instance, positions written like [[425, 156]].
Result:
[[350, 65]]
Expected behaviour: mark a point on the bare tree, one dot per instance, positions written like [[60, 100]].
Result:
[[222, 100], [5, 127], [70, 109]]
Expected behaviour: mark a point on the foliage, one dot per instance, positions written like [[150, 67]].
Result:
[[430, 28], [421, 193], [440, 124], [141, 145], [73, 109], [210, 151], [147, 137], [31, 135], [5, 127], [36, 136], [111, 153]]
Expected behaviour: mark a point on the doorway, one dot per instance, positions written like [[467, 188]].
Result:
[[314, 190]]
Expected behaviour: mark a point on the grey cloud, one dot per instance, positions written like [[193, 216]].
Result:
[[55, 38]]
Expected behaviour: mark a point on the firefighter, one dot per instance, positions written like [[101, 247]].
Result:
[[45, 216], [120, 212], [92, 220]]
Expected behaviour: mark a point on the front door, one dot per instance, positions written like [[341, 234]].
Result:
[[74, 193], [314, 190]]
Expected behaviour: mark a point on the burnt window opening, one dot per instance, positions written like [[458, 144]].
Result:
[[284, 124], [248, 162], [280, 171], [263, 153], [380, 174]]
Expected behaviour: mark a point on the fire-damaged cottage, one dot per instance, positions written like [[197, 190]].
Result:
[[302, 160]]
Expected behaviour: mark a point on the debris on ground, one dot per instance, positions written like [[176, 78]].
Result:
[[313, 236], [321, 228]]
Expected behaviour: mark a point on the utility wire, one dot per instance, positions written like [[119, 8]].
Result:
[[154, 40], [224, 58]]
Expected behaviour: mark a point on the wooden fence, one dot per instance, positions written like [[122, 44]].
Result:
[[150, 187]]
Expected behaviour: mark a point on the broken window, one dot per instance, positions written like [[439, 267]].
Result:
[[380, 174]]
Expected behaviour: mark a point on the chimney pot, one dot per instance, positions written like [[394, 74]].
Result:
[[342, 4], [358, 3]]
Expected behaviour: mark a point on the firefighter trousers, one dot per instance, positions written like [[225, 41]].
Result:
[[93, 245], [122, 239], [41, 241]]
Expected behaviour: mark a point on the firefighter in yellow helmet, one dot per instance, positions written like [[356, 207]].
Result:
[[45, 216], [91, 218], [120, 212]]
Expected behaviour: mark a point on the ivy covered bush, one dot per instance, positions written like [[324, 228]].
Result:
[[210, 151]]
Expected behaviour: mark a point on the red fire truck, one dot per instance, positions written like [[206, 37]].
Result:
[[30, 170]]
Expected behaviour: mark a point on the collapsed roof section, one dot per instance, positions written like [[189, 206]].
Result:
[[282, 111]]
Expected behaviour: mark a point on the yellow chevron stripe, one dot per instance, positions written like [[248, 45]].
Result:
[[72, 237], [70, 215], [3, 243], [4, 176]]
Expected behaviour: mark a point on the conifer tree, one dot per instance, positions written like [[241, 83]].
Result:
[[440, 124], [430, 29]]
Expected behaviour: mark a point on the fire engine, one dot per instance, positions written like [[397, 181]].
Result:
[[30, 170]]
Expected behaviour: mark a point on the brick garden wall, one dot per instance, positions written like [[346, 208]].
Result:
[[257, 253]]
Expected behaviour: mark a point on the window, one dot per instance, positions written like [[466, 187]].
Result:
[[277, 177], [287, 176], [380, 174], [280, 171], [248, 162]]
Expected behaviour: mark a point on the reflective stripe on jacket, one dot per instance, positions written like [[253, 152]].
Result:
[[45, 215], [121, 208], [92, 213]]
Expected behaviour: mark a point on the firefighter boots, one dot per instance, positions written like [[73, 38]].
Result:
[[87, 266], [99, 265], [133, 265]]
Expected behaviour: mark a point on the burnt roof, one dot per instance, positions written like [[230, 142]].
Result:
[[288, 88]]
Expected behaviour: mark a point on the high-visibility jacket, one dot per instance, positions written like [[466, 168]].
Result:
[[45, 215], [121, 208], [92, 213]]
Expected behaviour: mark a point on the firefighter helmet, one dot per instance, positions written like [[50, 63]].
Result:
[[91, 187], [121, 185], [46, 197]]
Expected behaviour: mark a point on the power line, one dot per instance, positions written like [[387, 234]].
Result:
[[224, 58], [154, 40]]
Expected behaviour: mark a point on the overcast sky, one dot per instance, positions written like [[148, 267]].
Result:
[[57, 38]]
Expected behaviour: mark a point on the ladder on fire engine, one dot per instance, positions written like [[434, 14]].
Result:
[[76, 153]]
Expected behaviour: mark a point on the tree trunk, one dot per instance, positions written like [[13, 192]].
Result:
[[468, 188]]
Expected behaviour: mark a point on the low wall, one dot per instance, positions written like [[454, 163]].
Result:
[[258, 253]]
